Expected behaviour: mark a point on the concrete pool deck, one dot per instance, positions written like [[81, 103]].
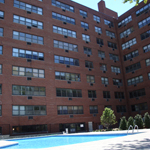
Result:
[[139, 141]]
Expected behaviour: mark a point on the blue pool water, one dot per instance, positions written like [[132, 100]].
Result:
[[53, 141]]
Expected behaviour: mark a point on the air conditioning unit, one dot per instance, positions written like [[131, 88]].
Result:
[[28, 12], [84, 17], [85, 29], [63, 10], [29, 97], [66, 51], [28, 27], [70, 99], [64, 22], [30, 117], [91, 84], [29, 78], [29, 60], [105, 85], [90, 69], [68, 66], [69, 82], [120, 100], [93, 99], [28, 43], [107, 100], [87, 42], [88, 55], [65, 36], [102, 58]]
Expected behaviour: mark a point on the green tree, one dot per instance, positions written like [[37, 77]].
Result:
[[108, 118], [138, 121], [136, 1], [130, 121], [147, 120], [123, 123]]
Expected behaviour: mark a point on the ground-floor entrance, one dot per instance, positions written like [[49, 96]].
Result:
[[72, 127]]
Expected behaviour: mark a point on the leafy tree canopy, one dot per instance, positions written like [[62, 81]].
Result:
[[136, 1], [108, 118]]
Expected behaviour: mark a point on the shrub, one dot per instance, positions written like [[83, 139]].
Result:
[[138, 121], [147, 120], [130, 121], [123, 123]]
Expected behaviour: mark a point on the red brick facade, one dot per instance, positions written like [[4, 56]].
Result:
[[51, 101]]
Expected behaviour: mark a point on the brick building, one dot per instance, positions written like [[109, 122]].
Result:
[[62, 63]]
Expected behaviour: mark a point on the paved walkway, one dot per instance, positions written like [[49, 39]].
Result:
[[139, 141]]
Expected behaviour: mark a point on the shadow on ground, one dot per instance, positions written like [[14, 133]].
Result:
[[131, 145]]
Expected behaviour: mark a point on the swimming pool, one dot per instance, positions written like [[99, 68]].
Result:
[[60, 140]]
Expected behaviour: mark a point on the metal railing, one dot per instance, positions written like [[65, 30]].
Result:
[[132, 128]]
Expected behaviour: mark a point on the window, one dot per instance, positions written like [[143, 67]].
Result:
[[111, 34], [135, 80], [87, 51], [2, 1], [112, 45], [1, 31], [147, 62], [104, 80], [64, 110], [66, 46], [28, 22], [103, 67], [0, 88], [145, 35], [129, 44], [0, 69], [144, 22], [106, 94], [28, 90], [98, 30], [88, 64], [131, 55], [68, 93], [1, 15], [101, 54], [66, 60], [146, 48], [67, 76], [115, 69], [133, 67], [84, 25], [86, 37], [108, 106], [93, 109], [28, 7], [139, 107], [63, 18], [149, 76], [121, 108], [143, 10], [28, 110], [16, 52], [119, 95], [117, 82], [90, 79], [62, 5], [126, 32], [64, 31], [1, 50], [96, 18], [125, 21], [0, 110], [27, 37], [29, 72], [99, 41], [114, 57], [109, 23], [137, 93], [91, 94], [83, 13]]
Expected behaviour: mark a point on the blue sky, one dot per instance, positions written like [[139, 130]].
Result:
[[115, 5]]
